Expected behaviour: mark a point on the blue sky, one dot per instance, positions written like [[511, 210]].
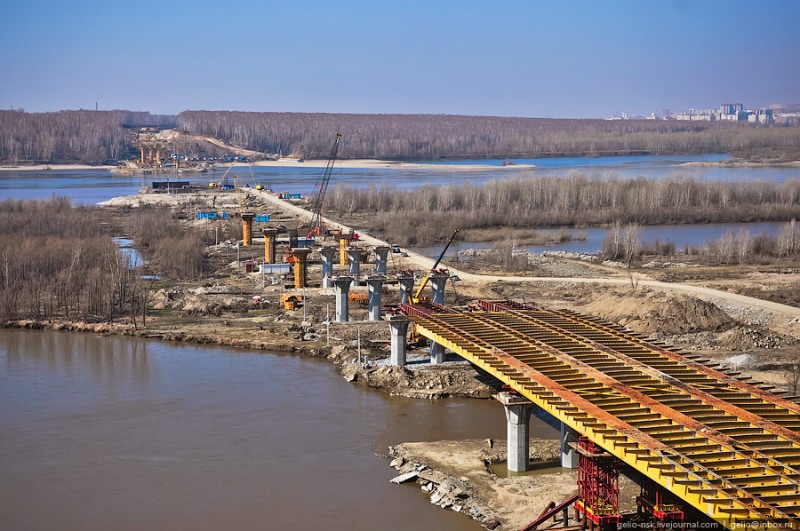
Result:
[[559, 58]]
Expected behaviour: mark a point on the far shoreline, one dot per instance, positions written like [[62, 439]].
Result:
[[295, 163]]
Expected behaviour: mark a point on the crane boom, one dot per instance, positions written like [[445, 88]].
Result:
[[322, 187], [424, 283]]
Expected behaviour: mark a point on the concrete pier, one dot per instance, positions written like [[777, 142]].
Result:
[[328, 255], [437, 353], [398, 326], [342, 285], [247, 228], [406, 283], [375, 288], [354, 254], [381, 259], [300, 266], [518, 415], [270, 239], [569, 457], [438, 285]]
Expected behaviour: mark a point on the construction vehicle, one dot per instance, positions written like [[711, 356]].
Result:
[[322, 187], [418, 295]]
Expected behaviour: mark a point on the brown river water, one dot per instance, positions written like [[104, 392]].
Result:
[[100, 433]]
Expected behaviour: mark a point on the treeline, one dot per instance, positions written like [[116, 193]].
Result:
[[101, 136], [56, 261], [426, 214], [88, 137], [431, 137]]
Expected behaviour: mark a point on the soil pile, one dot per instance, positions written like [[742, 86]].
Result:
[[652, 312]]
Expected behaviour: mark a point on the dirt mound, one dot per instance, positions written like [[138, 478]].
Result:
[[652, 312]]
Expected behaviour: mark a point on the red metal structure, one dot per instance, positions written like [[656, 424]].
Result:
[[504, 305], [653, 502], [598, 486]]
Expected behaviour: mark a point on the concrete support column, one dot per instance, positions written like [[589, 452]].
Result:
[[328, 253], [247, 228], [398, 326], [374, 286], [344, 243], [406, 283], [354, 254], [342, 285], [381, 259], [300, 267], [141, 154], [438, 285], [569, 457], [270, 238], [518, 416], [437, 353]]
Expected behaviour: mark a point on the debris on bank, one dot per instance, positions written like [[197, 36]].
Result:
[[457, 476]]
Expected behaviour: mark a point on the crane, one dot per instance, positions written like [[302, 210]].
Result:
[[322, 187], [418, 295]]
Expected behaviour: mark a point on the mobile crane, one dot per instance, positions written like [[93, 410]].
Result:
[[322, 187], [418, 295]]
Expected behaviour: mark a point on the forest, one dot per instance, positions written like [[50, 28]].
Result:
[[96, 137], [59, 261]]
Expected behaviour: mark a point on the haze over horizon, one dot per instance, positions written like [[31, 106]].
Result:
[[566, 59]]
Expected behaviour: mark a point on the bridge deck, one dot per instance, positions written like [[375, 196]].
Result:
[[725, 446]]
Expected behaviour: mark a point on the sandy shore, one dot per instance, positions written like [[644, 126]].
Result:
[[384, 164], [45, 167], [742, 164], [295, 163]]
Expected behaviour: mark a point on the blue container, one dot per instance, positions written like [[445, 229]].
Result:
[[263, 218]]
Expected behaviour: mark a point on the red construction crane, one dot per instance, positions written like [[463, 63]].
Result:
[[322, 187]]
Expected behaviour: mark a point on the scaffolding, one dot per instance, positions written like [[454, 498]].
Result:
[[598, 485]]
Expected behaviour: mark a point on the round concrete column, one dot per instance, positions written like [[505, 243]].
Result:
[[375, 287], [328, 254], [342, 285], [518, 428], [406, 283], [354, 254], [381, 259]]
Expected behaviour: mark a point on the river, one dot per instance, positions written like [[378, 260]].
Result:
[[122, 433]]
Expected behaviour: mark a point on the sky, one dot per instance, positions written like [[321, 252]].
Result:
[[529, 58]]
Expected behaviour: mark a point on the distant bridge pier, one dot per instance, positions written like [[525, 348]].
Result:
[[342, 285], [438, 285], [398, 326], [328, 254], [381, 259], [518, 415]]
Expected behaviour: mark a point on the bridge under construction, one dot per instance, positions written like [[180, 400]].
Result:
[[699, 436]]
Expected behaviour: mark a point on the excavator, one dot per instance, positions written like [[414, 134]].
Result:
[[322, 187], [418, 295]]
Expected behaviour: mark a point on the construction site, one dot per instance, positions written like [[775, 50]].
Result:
[[652, 435]]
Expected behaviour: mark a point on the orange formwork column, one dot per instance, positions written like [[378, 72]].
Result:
[[300, 266], [270, 235], [247, 229]]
